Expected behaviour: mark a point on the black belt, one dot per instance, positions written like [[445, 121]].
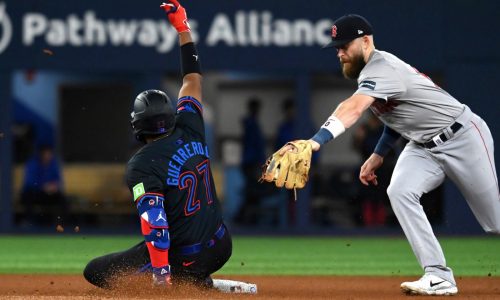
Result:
[[431, 144], [196, 248]]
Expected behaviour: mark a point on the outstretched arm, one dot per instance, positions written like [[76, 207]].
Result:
[[345, 115], [350, 110], [190, 63]]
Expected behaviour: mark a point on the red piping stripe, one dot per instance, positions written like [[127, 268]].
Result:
[[191, 101], [150, 194], [487, 152]]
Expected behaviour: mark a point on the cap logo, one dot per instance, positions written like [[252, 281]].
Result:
[[334, 31], [360, 31]]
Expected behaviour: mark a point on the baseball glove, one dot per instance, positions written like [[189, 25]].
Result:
[[290, 169]]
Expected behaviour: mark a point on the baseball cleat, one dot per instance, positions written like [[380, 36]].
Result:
[[430, 285]]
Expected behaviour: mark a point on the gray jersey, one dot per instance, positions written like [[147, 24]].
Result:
[[411, 104], [407, 101]]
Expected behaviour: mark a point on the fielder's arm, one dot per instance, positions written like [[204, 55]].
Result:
[[387, 140], [345, 115]]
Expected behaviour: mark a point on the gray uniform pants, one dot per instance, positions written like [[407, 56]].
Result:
[[467, 159]]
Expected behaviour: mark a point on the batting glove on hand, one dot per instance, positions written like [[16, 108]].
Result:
[[176, 15], [161, 277]]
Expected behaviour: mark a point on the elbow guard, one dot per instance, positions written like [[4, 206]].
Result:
[[154, 225]]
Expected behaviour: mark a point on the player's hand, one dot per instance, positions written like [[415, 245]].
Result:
[[289, 167], [162, 277], [176, 15], [315, 145], [367, 173], [289, 147]]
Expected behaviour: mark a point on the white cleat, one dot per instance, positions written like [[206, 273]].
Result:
[[430, 285]]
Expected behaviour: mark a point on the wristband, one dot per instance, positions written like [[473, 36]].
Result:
[[322, 137], [190, 62], [332, 128], [334, 125]]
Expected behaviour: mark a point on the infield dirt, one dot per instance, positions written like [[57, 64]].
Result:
[[270, 287]]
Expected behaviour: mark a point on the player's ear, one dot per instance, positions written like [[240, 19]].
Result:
[[369, 41], [366, 42]]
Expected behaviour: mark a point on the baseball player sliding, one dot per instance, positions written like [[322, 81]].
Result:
[[185, 239], [446, 139]]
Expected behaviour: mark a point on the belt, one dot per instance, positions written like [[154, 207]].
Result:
[[196, 248], [441, 138]]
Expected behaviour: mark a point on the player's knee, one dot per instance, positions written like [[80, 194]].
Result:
[[94, 274], [402, 193], [394, 192], [402, 197]]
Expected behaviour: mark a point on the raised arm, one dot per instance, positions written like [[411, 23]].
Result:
[[190, 63]]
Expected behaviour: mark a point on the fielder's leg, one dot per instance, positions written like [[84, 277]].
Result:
[[415, 173], [471, 166]]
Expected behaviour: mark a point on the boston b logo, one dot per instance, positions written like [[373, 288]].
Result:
[[334, 31]]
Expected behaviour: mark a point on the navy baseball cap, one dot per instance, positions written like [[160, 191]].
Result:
[[348, 28]]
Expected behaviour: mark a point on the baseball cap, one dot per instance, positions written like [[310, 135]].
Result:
[[348, 28]]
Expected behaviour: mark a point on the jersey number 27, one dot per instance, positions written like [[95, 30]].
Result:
[[188, 180]]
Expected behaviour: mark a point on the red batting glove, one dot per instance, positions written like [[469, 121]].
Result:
[[176, 15]]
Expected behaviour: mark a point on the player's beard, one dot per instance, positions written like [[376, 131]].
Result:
[[352, 68]]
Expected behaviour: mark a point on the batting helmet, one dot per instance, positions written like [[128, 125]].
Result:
[[153, 114]]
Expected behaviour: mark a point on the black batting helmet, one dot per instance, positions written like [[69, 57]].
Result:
[[153, 114]]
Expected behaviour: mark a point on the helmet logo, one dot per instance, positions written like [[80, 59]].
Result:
[[161, 126]]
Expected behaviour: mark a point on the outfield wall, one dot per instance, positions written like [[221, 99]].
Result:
[[245, 45]]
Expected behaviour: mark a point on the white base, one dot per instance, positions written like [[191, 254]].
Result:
[[237, 287]]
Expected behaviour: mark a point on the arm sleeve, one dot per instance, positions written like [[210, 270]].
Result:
[[386, 142]]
